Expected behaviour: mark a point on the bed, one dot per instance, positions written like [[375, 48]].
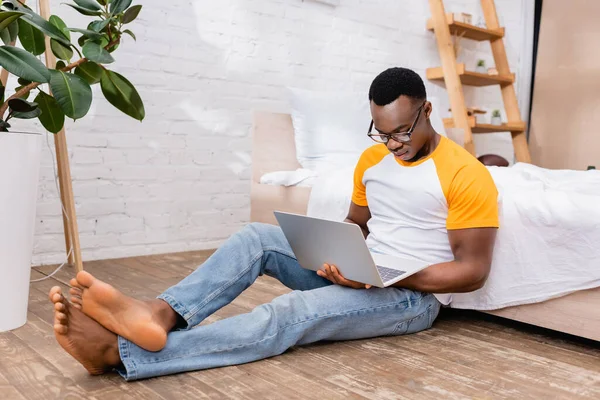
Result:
[[274, 150]]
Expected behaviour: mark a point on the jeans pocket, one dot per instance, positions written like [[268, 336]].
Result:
[[415, 324]]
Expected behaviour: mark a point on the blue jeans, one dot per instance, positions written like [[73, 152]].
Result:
[[315, 310]]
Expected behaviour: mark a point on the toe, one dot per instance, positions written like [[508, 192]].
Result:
[[75, 292], [53, 291], [57, 298], [61, 317], [77, 306], [60, 329], [73, 282], [85, 279], [60, 307]]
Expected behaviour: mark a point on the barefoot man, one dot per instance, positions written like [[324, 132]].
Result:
[[416, 195]]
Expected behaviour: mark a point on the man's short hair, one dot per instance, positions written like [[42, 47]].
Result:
[[395, 82]]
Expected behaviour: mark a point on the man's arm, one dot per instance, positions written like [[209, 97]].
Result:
[[359, 215], [472, 249]]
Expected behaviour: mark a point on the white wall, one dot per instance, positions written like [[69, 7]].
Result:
[[180, 180]]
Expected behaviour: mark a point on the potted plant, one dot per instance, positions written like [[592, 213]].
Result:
[[480, 66], [496, 118], [81, 63]]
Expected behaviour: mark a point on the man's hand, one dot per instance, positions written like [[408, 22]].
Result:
[[331, 273]]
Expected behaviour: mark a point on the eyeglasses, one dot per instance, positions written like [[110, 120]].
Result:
[[401, 137]]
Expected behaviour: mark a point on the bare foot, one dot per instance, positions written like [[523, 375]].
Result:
[[95, 347], [144, 323]]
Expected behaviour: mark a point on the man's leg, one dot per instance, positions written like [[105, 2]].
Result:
[[255, 250], [300, 317]]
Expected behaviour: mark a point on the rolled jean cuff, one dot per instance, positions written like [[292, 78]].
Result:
[[178, 308]]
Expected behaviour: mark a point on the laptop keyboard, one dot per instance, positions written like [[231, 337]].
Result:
[[387, 274]]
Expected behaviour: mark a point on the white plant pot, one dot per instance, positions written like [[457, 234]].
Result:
[[20, 156], [496, 121], [481, 69]]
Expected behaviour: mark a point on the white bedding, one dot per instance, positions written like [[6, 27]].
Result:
[[547, 245]]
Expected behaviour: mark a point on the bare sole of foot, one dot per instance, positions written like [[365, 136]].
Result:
[[143, 323], [95, 347]]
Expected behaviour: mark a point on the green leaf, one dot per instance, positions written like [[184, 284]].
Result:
[[20, 105], [94, 52], [85, 11], [60, 64], [118, 6], [97, 26], [2, 91], [28, 115], [46, 27], [22, 64], [5, 36], [122, 94], [89, 4], [127, 31], [23, 82], [81, 41], [8, 17], [32, 39], [61, 51], [60, 24], [72, 93], [10, 34], [103, 2], [131, 14], [90, 71], [52, 117], [88, 33]]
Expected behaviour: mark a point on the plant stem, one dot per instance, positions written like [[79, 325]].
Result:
[[33, 85]]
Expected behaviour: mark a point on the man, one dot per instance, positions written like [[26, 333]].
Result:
[[416, 194]]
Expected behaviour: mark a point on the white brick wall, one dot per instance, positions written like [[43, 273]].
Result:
[[180, 180]]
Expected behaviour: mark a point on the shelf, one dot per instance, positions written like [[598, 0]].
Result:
[[489, 128], [471, 78], [469, 31]]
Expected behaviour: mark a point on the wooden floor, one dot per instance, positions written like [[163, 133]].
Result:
[[465, 355]]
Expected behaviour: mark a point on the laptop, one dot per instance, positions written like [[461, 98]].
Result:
[[318, 241]]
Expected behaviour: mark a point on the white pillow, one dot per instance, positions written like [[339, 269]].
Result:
[[330, 128]]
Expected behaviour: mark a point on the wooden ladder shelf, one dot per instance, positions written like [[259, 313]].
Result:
[[454, 75]]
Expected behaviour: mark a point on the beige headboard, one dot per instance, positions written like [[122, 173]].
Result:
[[273, 149]]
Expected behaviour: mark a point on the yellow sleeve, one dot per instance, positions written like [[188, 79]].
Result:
[[472, 199], [359, 193], [370, 157]]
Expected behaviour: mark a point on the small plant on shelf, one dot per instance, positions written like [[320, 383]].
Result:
[[496, 117], [480, 66]]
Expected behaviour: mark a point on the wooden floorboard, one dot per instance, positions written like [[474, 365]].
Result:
[[465, 355]]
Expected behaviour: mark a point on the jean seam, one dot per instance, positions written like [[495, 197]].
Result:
[[220, 290], [128, 363], [216, 350]]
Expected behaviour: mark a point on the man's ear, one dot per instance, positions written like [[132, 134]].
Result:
[[428, 109]]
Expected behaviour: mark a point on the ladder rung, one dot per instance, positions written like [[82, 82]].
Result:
[[469, 31], [489, 128], [471, 78]]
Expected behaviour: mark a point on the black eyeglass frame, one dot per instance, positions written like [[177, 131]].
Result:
[[400, 137]]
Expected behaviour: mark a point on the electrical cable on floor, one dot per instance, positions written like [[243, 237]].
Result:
[[64, 213]]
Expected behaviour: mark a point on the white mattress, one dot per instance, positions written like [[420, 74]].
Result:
[[547, 245]]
